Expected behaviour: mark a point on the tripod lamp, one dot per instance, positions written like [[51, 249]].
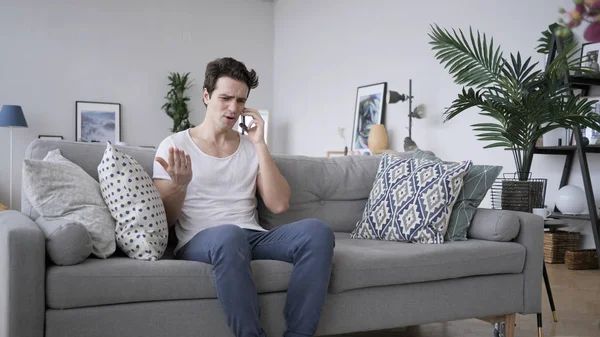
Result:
[[12, 116], [418, 113]]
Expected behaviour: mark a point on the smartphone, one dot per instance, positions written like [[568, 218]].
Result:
[[243, 125]]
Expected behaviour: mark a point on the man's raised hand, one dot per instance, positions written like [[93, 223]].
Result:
[[179, 167]]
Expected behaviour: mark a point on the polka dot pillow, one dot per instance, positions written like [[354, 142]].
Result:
[[141, 226]]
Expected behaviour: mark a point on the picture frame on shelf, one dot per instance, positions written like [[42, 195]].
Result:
[[590, 53], [369, 109], [50, 137], [97, 122], [592, 135]]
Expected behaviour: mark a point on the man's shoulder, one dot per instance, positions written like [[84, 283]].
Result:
[[176, 138]]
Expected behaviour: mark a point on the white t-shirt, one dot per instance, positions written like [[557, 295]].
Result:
[[222, 190]]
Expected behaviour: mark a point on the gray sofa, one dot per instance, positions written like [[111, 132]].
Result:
[[374, 284]]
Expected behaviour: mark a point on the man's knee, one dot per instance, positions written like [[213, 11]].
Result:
[[319, 233], [229, 239]]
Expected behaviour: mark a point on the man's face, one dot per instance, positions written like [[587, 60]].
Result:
[[226, 103]]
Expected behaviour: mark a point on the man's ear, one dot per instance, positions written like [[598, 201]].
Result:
[[206, 96]]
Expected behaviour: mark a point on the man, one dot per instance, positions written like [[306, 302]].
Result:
[[208, 176]]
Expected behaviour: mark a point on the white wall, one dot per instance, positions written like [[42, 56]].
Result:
[[325, 49], [55, 53]]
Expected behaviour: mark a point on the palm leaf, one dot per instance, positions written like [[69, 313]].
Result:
[[471, 62]]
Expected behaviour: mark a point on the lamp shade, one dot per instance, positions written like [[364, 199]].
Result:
[[396, 97], [12, 115]]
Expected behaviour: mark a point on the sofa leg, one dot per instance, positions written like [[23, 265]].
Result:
[[504, 326], [510, 321], [539, 321]]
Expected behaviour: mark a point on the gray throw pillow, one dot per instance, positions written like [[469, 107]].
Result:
[[477, 182], [59, 189], [67, 242]]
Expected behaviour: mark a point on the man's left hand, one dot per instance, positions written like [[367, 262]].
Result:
[[256, 128]]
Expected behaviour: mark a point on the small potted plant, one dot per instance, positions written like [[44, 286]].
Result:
[[176, 105]]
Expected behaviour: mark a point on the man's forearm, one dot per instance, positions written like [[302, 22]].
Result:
[[276, 189], [173, 197]]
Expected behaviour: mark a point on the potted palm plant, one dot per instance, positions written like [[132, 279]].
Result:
[[176, 105], [524, 100]]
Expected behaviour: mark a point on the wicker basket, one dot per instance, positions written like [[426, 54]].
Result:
[[581, 259], [556, 244]]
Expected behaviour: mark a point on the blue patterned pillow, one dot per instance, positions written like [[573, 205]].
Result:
[[411, 200], [477, 182]]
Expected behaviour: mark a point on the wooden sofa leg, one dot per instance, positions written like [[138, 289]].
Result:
[[509, 324]]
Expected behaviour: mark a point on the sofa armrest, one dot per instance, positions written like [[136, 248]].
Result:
[[500, 225], [22, 276]]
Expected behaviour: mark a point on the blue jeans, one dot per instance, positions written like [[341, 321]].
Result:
[[308, 244]]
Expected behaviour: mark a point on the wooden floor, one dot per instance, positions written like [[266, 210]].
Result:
[[576, 296]]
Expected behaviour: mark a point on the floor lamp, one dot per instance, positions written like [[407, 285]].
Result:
[[12, 116], [418, 113]]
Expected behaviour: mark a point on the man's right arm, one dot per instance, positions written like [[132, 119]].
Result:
[[172, 197]]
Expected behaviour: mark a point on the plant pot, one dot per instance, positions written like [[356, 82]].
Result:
[[522, 195]]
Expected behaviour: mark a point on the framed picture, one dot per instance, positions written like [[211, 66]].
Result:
[[97, 122], [369, 109], [589, 55], [51, 137], [592, 135]]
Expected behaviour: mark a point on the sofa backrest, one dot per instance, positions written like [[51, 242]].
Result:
[[86, 155], [334, 190]]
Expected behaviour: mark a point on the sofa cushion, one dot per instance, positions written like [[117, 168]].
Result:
[[135, 204], [477, 182], [411, 200], [336, 192], [85, 155], [370, 263], [68, 242], [495, 225], [125, 280], [60, 189]]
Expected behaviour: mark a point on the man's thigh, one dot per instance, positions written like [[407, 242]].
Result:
[[281, 243], [199, 248]]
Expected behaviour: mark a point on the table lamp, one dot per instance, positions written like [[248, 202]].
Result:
[[12, 116]]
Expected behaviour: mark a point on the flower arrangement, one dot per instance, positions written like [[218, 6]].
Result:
[[584, 11]]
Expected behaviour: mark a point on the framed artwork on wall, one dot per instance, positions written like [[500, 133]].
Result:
[[97, 122], [369, 109]]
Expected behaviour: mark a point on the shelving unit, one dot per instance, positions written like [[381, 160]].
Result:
[[583, 83], [570, 152]]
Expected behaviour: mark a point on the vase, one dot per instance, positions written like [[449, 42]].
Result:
[[378, 138]]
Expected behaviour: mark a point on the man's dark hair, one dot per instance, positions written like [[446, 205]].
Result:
[[228, 67]]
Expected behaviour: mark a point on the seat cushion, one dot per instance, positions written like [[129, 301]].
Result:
[[362, 263], [124, 280], [357, 263]]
